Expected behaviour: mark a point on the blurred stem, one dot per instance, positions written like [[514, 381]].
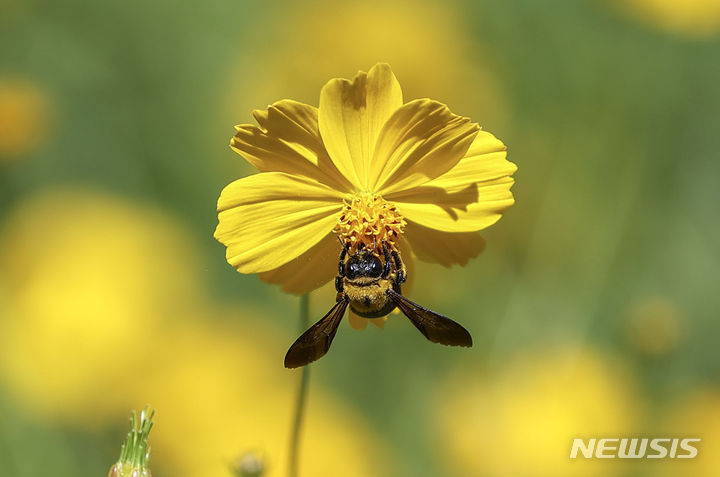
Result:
[[301, 395]]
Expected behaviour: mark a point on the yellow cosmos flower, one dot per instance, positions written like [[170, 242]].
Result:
[[23, 118], [655, 326], [86, 286], [691, 18], [430, 49], [532, 408], [218, 384], [694, 416], [365, 167]]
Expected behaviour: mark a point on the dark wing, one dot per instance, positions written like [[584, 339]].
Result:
[[315, 342], [437, 328]]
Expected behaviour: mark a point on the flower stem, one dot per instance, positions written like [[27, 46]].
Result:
[[293, 468]]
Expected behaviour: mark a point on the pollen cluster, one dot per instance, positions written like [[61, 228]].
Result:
[[370, 220]]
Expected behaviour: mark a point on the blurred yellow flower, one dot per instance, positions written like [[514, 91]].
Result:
[[654, 326], [431, 46], [696, 416], [222, 394], [23, 117], [520, 419], [692, 18], [98, 315], [87, 280], [366, 167]]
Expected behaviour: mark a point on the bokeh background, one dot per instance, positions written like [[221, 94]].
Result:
[[594, 306]]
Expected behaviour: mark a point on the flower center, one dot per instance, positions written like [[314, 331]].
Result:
[[371, 220]]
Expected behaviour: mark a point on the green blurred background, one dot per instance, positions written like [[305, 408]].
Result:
[[594, 306]]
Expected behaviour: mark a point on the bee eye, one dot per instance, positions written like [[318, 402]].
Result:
[[376, 268], [352, 270]]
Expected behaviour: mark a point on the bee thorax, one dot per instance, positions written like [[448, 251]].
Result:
[[368, 298]]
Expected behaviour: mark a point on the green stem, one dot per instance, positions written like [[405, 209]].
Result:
[[293, 469]]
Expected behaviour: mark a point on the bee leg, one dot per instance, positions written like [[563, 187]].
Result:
[[339, 284], [341, 263], [387, 268], [400, 276], [341, 269]]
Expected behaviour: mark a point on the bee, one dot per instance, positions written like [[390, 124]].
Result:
[[372, 286]]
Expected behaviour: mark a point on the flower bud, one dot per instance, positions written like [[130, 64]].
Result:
[[135, 452], [249, 465]]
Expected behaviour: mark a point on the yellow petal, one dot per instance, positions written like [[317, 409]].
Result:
[[310, 270], [352, 114], [420, 142], [444, 248], [271, 218], [475, 208], [288, 140], [357, 322], [484, 161], [378, 322], [471, 196]]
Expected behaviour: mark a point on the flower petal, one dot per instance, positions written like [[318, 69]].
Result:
[[471, 196], [356, 321], [378, 322], [310, 270], [288, 140], [484, 161], [352, 114], [420, 142], [271, 218], [472, 209], [445, 248]]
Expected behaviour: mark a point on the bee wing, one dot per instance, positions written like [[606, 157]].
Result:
[[437, 328], [315, 342]]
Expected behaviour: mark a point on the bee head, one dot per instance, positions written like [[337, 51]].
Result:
[[363, 264]]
